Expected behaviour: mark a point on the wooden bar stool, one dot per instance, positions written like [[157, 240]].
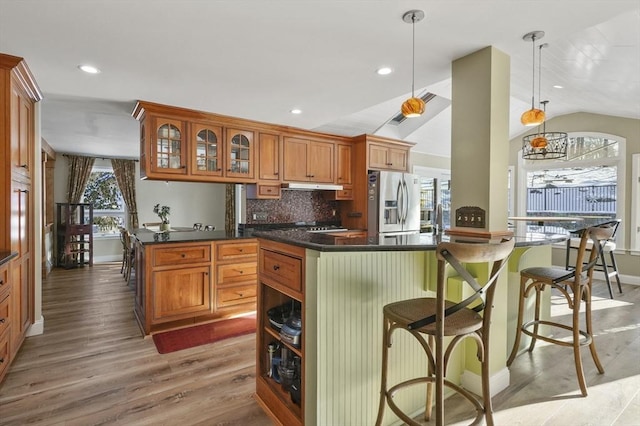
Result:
[[437, 318], [606, 265], [575, 286]]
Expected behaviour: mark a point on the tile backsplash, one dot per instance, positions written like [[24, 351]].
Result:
[[293, 206]]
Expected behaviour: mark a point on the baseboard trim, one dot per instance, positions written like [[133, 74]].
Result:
[[473, 382], [36, 328]]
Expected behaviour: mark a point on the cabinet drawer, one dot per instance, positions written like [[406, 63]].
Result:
[[5, 313], [4, 352], [344, 194], [285, 270], [182, 255], [236, 295], [232, 251], [237, 272]]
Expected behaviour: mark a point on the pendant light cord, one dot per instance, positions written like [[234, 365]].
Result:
[[413, 54], [533, 71]]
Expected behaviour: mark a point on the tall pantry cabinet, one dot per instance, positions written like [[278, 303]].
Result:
[[18, 94]]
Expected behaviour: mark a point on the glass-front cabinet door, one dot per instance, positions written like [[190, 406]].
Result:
[[207, 148], [240, 153], [169, 147]]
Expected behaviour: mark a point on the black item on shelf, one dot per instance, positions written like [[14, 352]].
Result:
[[296, 395], [278, 315]]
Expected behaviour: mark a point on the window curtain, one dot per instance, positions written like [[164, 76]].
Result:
[[79, 172], [125, 173], [230, 208]]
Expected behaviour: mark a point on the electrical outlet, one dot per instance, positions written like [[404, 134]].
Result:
[[260, 216]]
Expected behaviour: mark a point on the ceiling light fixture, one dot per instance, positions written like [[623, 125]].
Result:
[[296, 111], [545, 145], [89, 69], [534, 116], [413, 107], [384, 71]]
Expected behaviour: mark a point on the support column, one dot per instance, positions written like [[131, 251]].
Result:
[[479, 170], [480, 135]]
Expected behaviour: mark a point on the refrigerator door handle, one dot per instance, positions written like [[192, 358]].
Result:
[[399, 201], [406, 202]]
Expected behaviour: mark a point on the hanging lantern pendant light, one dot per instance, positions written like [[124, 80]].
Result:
[[413, 107], [534, 116]]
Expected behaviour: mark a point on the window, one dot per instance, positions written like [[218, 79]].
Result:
[[435, 188], [103, 194], [588, 184]]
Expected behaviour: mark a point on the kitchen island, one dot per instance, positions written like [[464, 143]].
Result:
[[190, 277], [340, 287]]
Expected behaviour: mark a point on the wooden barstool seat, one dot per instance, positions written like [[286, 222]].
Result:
[[437, 318]]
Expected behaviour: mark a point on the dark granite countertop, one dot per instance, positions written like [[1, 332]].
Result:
[[6, 255], [147, 237], [325, 242]]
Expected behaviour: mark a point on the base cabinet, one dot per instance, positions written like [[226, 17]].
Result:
[[280, 365], [182, 284], [5, 321], [181, 293]]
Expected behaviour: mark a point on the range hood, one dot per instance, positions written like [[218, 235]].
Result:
[[312, 186]]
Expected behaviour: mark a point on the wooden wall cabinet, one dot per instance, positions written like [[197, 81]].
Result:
[[281, 282], [207, 149], [385, 157], [17, 150], [179, 144], [269, 157], [240, 155], [371, 153], [308, 161]]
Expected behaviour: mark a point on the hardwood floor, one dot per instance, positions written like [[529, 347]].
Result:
[[92, 367]]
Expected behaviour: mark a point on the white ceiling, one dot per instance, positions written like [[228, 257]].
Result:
[[258, 59]]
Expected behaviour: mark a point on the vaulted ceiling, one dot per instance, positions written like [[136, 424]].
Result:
[[259, 59]]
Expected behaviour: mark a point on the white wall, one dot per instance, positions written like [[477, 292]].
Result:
[[189, 202]]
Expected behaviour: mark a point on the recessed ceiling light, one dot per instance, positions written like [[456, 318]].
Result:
[[296, 111], [557, 86], [89, 69], [384, 71]]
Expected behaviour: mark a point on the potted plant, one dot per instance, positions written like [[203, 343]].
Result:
[[163, 213]]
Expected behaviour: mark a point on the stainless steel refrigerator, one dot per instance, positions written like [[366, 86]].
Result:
[[393, 203]]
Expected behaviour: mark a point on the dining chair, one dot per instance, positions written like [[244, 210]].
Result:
[[125, 253], [128, 254], [575, 285], [437, 318], [608, 266]]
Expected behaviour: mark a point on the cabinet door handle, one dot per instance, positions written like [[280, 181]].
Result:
[[3, 320], [1, 360], [23, 191], [1, 282], [276, 267], [24, 166], [183, 167], [183, 255]]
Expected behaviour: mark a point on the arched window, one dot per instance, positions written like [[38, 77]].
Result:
[[589, 183]]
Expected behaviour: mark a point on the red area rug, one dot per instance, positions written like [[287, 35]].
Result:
[[176, 340]]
